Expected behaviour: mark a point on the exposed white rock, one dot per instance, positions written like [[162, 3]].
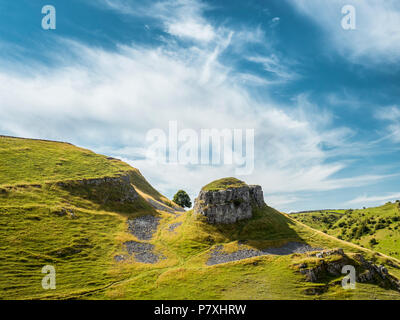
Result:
[[229, 205]]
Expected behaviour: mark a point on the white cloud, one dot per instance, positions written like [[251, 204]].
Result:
[[391, 113], [191, 29], [111, 99], [121, 6], [184, 19], [375, 199], [377, 34], [275, 21], [275, 66], [250, 35], [277, 201], [391, 117], [180, 18]]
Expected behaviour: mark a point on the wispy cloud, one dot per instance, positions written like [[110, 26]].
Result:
[[113, 98], [391, 117], [184, 19], [275, 21], [277, 201], [123, 6], [180, 18], [376, 38], [273, 65], [374, 199]]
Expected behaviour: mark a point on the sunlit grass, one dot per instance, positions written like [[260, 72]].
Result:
[[81, 246]]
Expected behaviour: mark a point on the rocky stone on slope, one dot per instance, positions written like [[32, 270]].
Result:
[[143, 227], [65, 212], [218, 256], [229, 205], [366, 271], [105, 189], [142, 252], [173, 226]]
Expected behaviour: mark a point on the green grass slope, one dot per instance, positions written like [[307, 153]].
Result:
[[223, 184], [374, 228], [25, 161], [185, 274], [47, 217], [33, 233]]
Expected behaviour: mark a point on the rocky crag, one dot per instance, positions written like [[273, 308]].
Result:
[[105, 189], [331, 262], [228, 202]]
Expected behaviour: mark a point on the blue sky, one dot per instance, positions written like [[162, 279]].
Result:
[[323, 101]]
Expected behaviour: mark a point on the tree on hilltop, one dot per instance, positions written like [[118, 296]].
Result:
[[182, 199]]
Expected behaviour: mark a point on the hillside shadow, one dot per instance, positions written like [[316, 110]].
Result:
[[107, 197], [267, 228]]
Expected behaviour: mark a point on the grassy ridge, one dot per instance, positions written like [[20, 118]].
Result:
[[25, 161], [374, 228]]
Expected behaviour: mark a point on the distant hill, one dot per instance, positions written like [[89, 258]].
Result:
[[375, 228], [111, 235]]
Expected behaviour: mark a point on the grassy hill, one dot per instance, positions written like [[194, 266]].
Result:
[[224, 183], [375, 228], [68, 207]]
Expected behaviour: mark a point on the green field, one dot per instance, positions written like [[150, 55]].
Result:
[[47, 217]]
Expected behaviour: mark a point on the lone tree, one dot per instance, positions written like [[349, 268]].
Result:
[[182, 198]]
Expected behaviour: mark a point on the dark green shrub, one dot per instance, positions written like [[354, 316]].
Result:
[[182, 199]]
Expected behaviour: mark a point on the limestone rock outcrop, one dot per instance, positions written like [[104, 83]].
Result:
[[366, 271], [106, 189], [230, 204]]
